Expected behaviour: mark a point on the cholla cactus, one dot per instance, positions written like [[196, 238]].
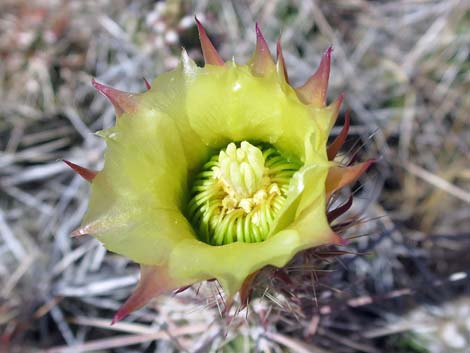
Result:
[[217, 172]]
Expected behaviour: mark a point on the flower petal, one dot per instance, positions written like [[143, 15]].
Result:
[[169, 98], [154, 280], [334, 108], [144, 235], [140, 152], [305, 189], [85, 173], [231, 264], [211, 56], [281, 64], [262, 63], [123, 102], [314, 91], [338, 142], [339, 177], [253, 109], [136, 201]]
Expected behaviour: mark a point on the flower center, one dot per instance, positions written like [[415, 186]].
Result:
[[239, 192]]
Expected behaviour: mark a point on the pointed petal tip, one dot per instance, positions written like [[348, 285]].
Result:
[[210, 54], [260, 41], [280, 60], [338, 102], [154, 280], [357, 170], [328, 51], [123, 102], [338, 177], [335, 108], [259, 34], [367, 164], [325, 62], [200, 27], [85, 173], [339, 141], [323, 71], [262, 61], [278, 47], [103, 89], [118, 317], [315, 90]]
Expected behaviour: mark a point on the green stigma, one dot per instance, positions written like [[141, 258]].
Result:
[[239, 192]]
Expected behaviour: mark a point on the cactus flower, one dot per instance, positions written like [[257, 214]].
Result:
[[216, 172]]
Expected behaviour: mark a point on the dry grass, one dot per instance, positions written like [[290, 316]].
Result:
[[404, 66]]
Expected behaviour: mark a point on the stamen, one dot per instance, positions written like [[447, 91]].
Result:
[[239, 192]]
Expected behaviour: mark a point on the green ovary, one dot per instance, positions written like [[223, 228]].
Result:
[[239, 192]]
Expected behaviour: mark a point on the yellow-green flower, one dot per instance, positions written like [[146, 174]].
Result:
[[216, 172]]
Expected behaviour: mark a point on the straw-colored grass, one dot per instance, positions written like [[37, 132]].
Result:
[[405, 71]]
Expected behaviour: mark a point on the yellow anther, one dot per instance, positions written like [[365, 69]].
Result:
[[244, 200], [241, 169]]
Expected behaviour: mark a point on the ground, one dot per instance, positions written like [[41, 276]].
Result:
[[404, 284]]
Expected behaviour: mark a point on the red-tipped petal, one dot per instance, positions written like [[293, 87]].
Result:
[[85, 173], [211, 56], [281, 64], [123, 102], [262, 62], [154, 280], [338, 142], [314, 91], [147, 84], [338, 211], [339, 177]]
